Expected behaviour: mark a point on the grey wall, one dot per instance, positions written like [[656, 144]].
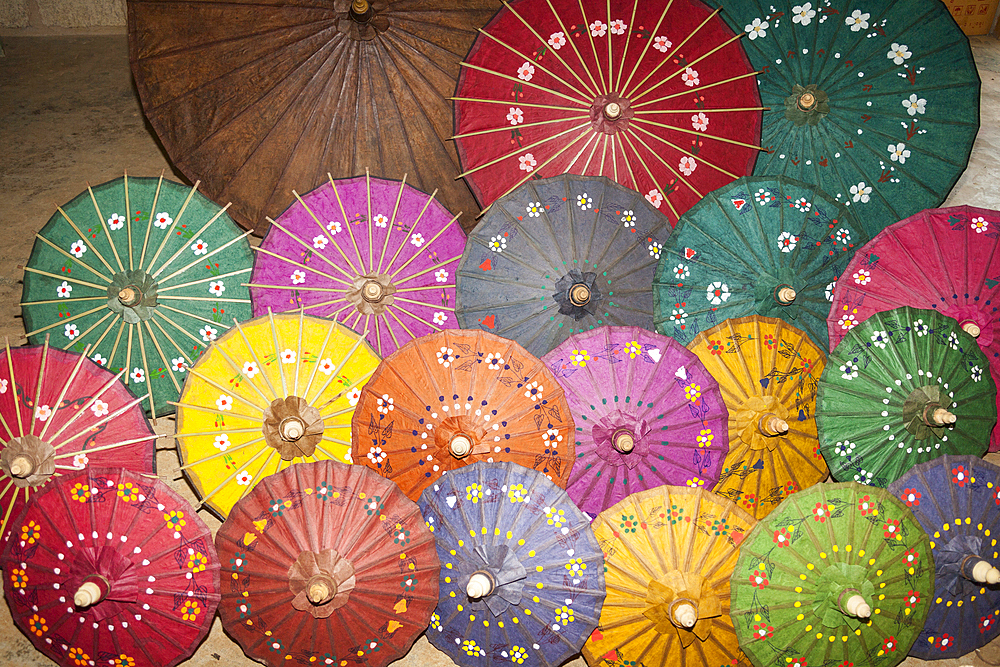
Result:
[[54, 16]]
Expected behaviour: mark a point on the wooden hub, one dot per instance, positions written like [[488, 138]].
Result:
[[612, 111], [129, 296], [372, 292], [806, 101], [579, 294]]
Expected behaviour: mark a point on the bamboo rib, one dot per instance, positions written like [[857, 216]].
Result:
[[177, 219]]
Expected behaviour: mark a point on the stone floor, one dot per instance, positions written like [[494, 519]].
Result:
[[69, 114]]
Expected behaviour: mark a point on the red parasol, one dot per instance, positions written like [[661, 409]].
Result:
[[111, 567], [61, 412], [657, 96], [331, 565]]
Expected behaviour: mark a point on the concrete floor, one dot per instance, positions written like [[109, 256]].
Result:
[[69, 114]]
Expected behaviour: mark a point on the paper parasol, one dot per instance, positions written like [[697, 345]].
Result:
[[275, 390], [875, 103], [767, 371], [559, 256], [669, 553], [377, 255], [521, 577], [903, 387], [648, 412], [145, 271], [955, 499], [275, 96], [943, 259], [111, 567], [768, 246], [839, 573], [657, 96], [60, 412], [453, 398], [330, 565]]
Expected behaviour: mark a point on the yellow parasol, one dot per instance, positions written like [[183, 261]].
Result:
[[669, 553], [273, 391], [767, 371]]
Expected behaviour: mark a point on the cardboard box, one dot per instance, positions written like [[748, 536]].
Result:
[[973, 17]]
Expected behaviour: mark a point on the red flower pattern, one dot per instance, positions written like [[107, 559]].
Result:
[[889, 645], [910, 558], [758, 579], [715, 347], [912, 599], [959, 475], [911, 497], [985, 623], [867, 506], [891, 528], [763, 631], [944, 642], [782, 537], [821, 512]]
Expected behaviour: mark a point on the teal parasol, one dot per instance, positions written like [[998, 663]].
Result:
[[145, 271], [874, 101]]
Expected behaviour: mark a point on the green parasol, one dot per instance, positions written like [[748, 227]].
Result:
[[903, 387], [874, 101], [838, 574], [143, 270]]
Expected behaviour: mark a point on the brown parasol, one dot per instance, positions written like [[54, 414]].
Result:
[[255, 99]]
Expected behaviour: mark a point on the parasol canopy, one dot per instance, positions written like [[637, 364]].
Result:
[[60, 413], [903, 387], [657, 96], [648, 410], [143, 270], [768, 246], [837, 574], [669, 553], [110, 566], [377, 255], [257, 99], [559, 256], [943, 259], [330, 565], [273, 391], [767, 371], [527, 588], [453, 398], [876, 103], [955, 499]]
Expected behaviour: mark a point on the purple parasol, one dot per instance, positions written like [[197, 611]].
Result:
[[376, 254], [648, 413]]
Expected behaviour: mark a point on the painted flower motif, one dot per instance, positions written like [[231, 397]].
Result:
[[353, 396], [527, 162], [715, 347], [847, 321], [628, 523], [385, 404], [498, 243], [534, 209], [687, 165], [681, 271], [440, 317], [64, 290], [763, 196], [199, 247], [496, 362], [472, 649], [782, 537], [38, 625], [564, 615], [162, 220], [222, 442], [863, 477], [80, 460], [208, 334], [584, 201], [244, 478], [891, 529], [116, 221], [579, 358], [334, 227], [217, 287], [910, 557], [474, 492], [99, 408], [598, 28], [879, 339], [787, 242], [97, 359], [71, 331], [80, 492], [858, 20], [898, 153], [845, 448], [633, 349], [692, 392], [628, 219], [197, 562], [861, 192], [867, 506], [803, 14], [911, 497], [43, 412], [985, 623], [376, 455], [717, 293], [802, 205], [417, 239], [920, 328], [822, 512], [77, 248], [654, 249], [224, 402], [654, 197], [662, 44], [576, 567], [78, 657], [515, 116], [138, 375], [705, 437], [763, 631], [977, 373], [695, 482], [862, 276], [699, 121], [898, 53], [889, 645], [30, 532], [517, 494], [533, 390], [122, 661], [912, 599], [178, 364], [690, 77], [758, 578], [769, 341], [326, 366], [618, 27], [960, 476], [557, 40], [288, 356], [381, 220], [526, 71], [445, 356], [555, 517], [979, 224], [953, 342], [190, 610], [175, 519], [756, 28], [401, 536], [914, 105]]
